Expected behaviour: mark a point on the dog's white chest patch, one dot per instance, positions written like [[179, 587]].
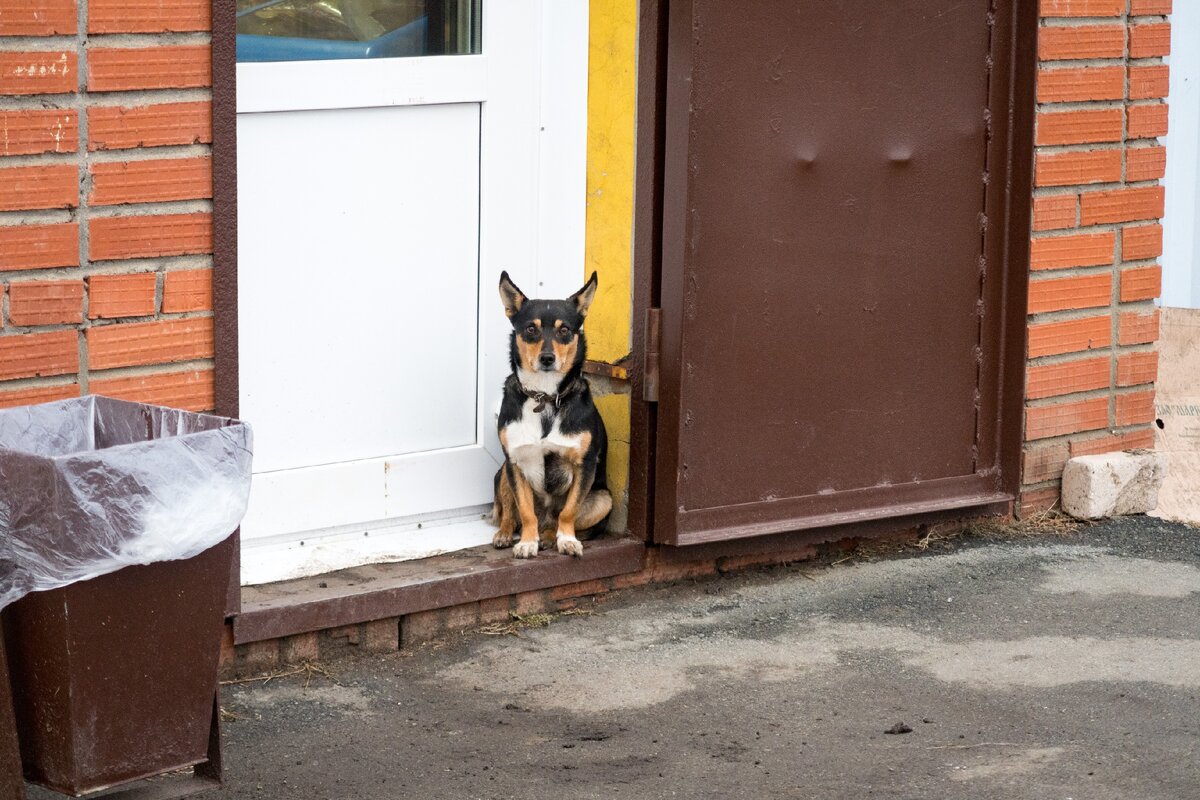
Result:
[[528, 446]]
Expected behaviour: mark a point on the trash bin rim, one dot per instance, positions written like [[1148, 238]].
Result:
[[224, 424]]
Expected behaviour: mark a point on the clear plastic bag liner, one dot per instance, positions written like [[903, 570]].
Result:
[[91, 485]]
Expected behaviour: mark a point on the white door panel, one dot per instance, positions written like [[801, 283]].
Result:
[[375, 301]]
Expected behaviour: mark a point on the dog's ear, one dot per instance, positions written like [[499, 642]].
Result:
[[512, 297], [583, 298]]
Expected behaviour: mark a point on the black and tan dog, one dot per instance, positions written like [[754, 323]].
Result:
[[551, 486]]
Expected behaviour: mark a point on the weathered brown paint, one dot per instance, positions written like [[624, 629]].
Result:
[[379, 591], [116, 675], [225, 277], [840, 327], [12, 783]]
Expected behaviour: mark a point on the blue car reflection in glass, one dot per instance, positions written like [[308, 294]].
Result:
[[313, 30]]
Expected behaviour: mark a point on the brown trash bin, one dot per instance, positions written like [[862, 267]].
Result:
[[115, 678]]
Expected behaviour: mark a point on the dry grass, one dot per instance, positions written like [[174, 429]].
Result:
[[519, 622], [308, 669], [1050, 522]]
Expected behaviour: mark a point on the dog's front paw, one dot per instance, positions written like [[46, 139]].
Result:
[[568, 545], [501, 540], [526, 549]]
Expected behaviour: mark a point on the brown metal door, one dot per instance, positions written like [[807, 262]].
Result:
[[842, 322]]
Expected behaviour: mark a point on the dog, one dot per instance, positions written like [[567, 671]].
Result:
[[551, 486]]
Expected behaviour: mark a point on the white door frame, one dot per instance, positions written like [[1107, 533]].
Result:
[[532, 211], [1181, 239]]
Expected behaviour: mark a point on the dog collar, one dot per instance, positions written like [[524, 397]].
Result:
[[542, 399]]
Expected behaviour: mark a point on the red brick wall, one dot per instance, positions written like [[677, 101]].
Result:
[[1092, 322], [105, 209]]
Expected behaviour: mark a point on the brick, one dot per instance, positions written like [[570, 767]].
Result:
[[662, 570], [33, 395], [39, 246], [1137, 368], [1140, 283], [45, 302], [1089, 126], [1079, 291], [161, 342], [1111, 442], [728, 564], [299, 649], [114, 296], [1136, 328], [191, 390], [28, 355], [1043, 463], [148, 16], [1121, 205], [187, 290], [381, 635], [1078, 84], [152, 181], [1135, 408], [1148, 121], [1051, 380], [1076, 250], [44, 186], [228, 651], [1149, 7], [1058, 420], [1069, 336], [1149, 82], [1145, 163], [257, 657], [1141, 242], [1150, 41], [1055, 211], [350, 633], [38, 130], [582, 589], [1081, 8], [1036, 501], [537, 601], [1083, 41], [115, 69], [150, 236], [118, 127], [41, 72], [495, 609], [37, 17], [1088, 166], [421, 627]]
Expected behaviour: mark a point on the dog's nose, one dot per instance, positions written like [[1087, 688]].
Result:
[[546, 359]]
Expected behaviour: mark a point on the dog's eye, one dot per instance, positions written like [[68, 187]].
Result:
[[564, 333], [531, 329]]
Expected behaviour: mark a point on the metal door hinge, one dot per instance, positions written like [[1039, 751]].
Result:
[[650, 373]]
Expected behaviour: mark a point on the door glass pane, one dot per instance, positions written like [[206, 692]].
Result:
[[311, 30]]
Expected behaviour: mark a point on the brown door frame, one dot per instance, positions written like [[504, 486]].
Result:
[[224, 252], [1001, 415]]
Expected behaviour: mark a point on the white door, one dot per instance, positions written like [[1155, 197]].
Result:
[[384, 181]]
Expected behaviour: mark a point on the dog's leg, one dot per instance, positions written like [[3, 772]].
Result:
[[505, 509], [595, 507], [581, 484], [528, 546]]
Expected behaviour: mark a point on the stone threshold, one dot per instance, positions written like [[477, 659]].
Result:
[[380, 591]]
